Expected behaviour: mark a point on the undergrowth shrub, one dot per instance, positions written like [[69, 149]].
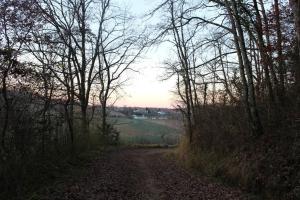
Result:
[[222, 147]]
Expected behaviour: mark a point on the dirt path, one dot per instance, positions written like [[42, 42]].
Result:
[[139, 174]]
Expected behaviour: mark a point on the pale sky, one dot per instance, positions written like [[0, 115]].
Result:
[[145, 89]]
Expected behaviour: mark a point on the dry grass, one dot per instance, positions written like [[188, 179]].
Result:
[[258, 168]]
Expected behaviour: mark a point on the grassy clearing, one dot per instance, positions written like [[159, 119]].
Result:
[[145, 131], [171, 123]]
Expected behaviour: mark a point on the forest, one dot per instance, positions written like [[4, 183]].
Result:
[[237, 72]]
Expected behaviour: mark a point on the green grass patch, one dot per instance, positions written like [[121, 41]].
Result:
[[144, 131]]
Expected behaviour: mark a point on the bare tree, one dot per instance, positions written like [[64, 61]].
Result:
[[72, 21], [16, 20], [120, 45]]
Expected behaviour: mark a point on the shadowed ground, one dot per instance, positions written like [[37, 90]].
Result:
[[139, 174]]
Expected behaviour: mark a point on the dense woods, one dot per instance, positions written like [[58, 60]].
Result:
[[237, 67], [59, 59], [236, 63]]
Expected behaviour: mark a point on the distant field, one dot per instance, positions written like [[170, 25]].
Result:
[[148, 131], [172, 123]]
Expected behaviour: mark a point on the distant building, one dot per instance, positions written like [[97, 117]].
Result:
[[139, 117], [162, 113]]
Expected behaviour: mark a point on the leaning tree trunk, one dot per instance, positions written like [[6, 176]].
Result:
[[266, 59], [182, 54], [254, 118]]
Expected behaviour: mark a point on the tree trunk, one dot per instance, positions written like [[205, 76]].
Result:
[[6, 109], [84, 124], [266, 59], [281, 68], [70, 102], [104, 119], [205, 94], [69, 116], [295, 5], [182, 54], [246, 69], [226, 85]]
